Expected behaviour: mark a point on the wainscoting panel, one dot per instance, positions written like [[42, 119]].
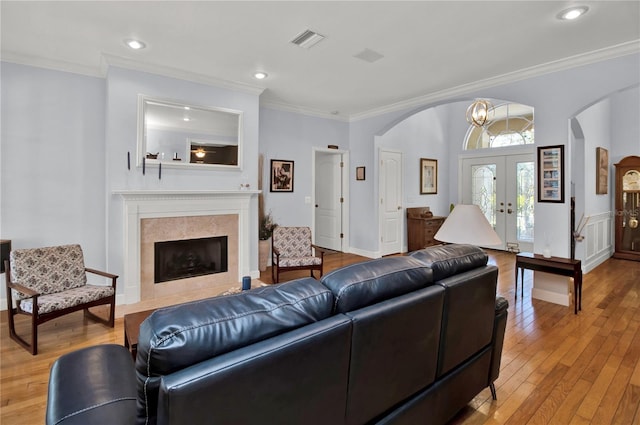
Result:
[[598, 240]]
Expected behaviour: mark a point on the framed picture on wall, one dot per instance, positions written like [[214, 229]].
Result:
[[602, 171], [359, 173], [281, 175], [551, 174], [428, 176]]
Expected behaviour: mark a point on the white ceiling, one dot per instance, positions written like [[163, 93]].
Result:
[[430, 48]]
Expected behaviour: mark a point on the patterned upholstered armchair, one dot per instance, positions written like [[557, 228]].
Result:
[[50, 282], [291, 249]]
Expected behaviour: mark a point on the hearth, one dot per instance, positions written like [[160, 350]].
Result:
[[181, 259]]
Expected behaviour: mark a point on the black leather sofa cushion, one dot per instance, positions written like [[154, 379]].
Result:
[[298, 377], [394, 351], [93, 385], [447, 260], [363, 284], [176, 337]]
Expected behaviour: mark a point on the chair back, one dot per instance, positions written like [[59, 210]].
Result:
[[292, 241], [48, 270]]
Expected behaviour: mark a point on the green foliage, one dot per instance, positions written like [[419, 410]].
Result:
[[266, 226]]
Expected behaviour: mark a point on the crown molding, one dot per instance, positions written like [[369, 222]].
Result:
[[600, 55], [52, 64], [623, 49], [289, 107], [112, 60]]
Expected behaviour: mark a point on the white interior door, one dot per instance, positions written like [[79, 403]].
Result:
[[390, 189], [328, 201], [503, 188]]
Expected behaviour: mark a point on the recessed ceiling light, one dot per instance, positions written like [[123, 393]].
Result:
[[135, 44], [186, 119], [572, 13], [260, 75]]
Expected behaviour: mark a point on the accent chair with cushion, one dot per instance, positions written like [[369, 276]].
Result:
[[50, 282], [291, 249]]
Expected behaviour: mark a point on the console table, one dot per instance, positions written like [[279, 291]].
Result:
[[554, 265]]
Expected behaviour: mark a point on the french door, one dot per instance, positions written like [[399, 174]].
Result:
[[503, 188]]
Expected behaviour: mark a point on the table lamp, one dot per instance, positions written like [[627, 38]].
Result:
[[467, 225]]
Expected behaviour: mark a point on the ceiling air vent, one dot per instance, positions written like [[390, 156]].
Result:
[[307, 39]]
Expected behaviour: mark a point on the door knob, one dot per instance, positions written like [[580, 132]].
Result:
[[399, 208], [316, 205], [501, 210], [509, 211]]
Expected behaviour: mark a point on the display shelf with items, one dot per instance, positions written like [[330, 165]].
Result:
[[627, 214], [422, 226]]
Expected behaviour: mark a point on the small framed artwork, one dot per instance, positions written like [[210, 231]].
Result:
[[428, 176], [551, 174], [602, 171], [281, 175], [359, 173]]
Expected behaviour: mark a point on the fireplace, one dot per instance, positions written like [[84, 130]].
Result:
[[157, 215], [181, 259]]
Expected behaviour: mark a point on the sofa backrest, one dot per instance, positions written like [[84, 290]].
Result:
[[298, 377], [48, 270], [396, 314], [469, 303], [177, 337], [362, 284], [448, 260]]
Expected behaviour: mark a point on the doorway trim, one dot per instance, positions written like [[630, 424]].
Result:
[[346, 247]]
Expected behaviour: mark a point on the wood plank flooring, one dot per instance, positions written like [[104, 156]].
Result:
[[557, 368]]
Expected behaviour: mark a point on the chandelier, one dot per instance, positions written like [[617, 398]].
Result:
[[478, 112]]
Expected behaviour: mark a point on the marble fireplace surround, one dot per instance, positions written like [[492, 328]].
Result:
[[176, 207]]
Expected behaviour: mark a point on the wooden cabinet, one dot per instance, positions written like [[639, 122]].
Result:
[[627, 214], [421, 228]]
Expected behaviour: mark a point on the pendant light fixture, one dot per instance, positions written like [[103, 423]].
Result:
[[478, 113]]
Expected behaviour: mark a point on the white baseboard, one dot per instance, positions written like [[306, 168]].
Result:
[[552, 297], [363, 253]]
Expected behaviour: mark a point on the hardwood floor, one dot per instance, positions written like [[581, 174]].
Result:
[[557, 368]]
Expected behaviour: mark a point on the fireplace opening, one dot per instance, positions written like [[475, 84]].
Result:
[[185, 258]]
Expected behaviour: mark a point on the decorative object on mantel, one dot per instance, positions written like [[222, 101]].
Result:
[[160, 171], [332, 146], [152, 155], [175, 157], [128, 160], [144, 166]]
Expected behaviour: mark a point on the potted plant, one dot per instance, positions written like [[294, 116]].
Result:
[[264, 235]]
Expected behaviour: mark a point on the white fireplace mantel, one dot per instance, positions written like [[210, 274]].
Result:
[[142, 204]]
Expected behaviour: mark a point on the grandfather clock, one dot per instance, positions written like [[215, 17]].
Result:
[[627, 243]]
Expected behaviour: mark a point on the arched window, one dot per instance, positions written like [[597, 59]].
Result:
[[511, 125]]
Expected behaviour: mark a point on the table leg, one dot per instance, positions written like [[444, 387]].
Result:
[[579, 279], [516, 282], [522, 282]]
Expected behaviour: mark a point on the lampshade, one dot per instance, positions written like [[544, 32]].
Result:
[[467, 224]]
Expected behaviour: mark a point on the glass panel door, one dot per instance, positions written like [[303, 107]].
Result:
[[503, 188]]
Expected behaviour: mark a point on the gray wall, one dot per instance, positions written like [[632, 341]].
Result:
[[53, 161], [65, 138]]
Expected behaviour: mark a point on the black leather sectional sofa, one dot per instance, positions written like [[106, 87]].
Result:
[[397, 340]]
